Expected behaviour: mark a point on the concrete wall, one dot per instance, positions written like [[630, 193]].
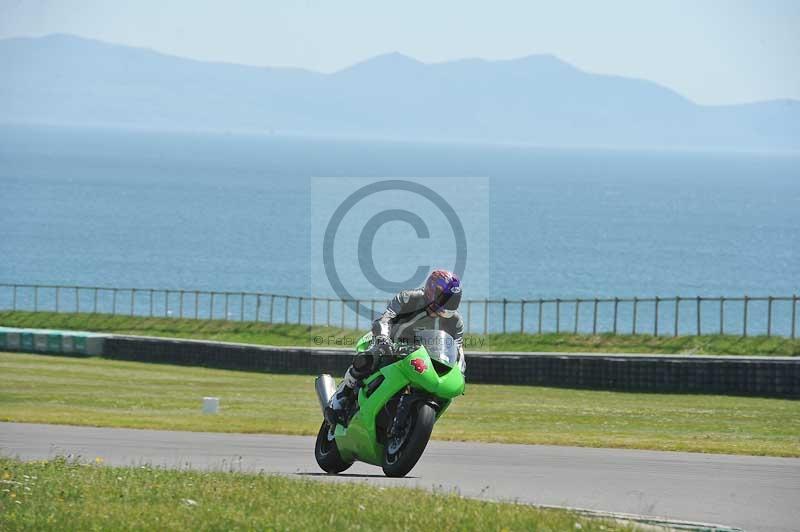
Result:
[[758, 376], [688, 374]]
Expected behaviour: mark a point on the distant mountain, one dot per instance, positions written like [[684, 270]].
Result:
[[539, 99]]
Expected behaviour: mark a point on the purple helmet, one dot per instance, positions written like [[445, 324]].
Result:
[[443, 291]]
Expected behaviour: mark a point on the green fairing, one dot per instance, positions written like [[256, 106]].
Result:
[[363, 342], [359, 440]]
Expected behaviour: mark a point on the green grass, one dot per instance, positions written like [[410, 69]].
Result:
[[302, 335], [46, 389], [62, 495]]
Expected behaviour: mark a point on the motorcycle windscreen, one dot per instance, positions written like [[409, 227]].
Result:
[[440, 346]]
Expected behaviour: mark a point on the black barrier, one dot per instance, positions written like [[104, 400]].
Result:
[[767, 377]]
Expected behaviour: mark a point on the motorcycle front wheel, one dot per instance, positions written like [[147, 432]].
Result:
[[326, 452], [402, 452]]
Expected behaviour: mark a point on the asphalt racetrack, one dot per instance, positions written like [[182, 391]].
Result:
[[752, 493]]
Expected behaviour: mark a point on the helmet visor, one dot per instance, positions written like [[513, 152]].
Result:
[[447, 302]]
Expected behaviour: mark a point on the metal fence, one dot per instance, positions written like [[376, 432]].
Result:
[[658, 316]]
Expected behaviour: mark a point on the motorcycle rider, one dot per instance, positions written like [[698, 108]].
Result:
[[435, 306]]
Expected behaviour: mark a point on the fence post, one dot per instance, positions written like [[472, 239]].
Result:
[[635, 303], [505, 304], [133, 300], [241, 306], [616, 308], [196, 304], [114, 302], [541, 307], [58, 294], [372, 309], [285, 309], [271, 307], [211, 306], [300, 310], [342, 314], [258, 307], [655, 318], [94, 308], [469, 316], [180, 312], [166, 303], [522, 317], [744, 324], [35, 298], [77, 300], [227, 297], [577, 310], [769, 316], [794, 314], [558, 315], [151, 302], [313, 311], [328, 314], [485, 316], [699, 330], [358, 308], [594, 318], [677, 315], [14, 299], [722, 315]]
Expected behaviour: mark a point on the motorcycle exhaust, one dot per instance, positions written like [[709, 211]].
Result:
[[325, 387]]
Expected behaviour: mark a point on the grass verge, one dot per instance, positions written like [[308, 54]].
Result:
[[46, 389], [303, 335], [61, 495]]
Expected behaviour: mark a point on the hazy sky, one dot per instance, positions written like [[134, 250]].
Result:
[[714, 52]]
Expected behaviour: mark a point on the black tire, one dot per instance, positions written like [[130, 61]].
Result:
[[399, 463], [326, 452]]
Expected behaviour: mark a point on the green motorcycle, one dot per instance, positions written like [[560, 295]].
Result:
[[391, 421]]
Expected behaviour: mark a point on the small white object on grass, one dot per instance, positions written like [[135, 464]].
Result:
[[210, 405]]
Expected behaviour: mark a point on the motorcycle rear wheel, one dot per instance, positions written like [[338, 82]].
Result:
[[326, 452], [400, 457]]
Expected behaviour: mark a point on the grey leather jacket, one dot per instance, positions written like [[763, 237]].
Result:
[[407, 312]]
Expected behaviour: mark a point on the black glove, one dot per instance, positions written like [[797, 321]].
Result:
[[382, 345]]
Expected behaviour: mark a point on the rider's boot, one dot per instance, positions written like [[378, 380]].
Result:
[[342, 399], [363, 364]]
